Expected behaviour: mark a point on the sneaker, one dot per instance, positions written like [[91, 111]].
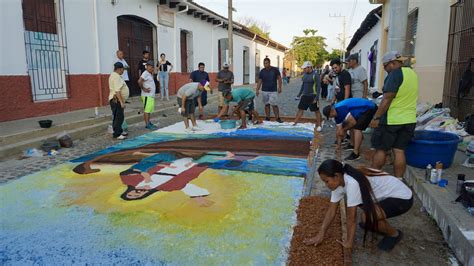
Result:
[[267, 118], [188, 130], [242, 127], [125, 133], [279, 120], [121, 137], [389, 242], [150, 126], [352, 157], [196, 128], [319, 129], [348, 147]]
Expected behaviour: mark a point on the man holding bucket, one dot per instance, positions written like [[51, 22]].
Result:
[[245, 104], [395, 119]]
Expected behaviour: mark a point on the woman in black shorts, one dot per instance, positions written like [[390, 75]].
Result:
[[379, 195]]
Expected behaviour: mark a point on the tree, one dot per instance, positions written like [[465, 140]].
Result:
[[336, 53], [310, 47], [256, 26]]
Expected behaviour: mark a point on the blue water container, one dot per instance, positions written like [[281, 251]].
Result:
[[228, 124], [429, 147]]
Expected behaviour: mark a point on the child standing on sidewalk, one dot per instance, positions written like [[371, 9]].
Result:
[[147, 84]]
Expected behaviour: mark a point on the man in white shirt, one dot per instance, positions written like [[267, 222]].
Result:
[[188, 95], [147, 84], [121, 59]]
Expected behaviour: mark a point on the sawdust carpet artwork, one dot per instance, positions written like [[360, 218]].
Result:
[[217, 197]]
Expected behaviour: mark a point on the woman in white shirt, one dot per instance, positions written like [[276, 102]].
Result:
[[379, 195]]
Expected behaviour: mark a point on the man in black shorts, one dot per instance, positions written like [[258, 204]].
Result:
[[309, 93], [395, 120], [353, 113]]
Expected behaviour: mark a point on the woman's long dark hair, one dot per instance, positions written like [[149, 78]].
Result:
[[331, 167]]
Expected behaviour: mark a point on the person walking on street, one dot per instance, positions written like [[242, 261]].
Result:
[[225, 78], [359, 84], [269, 80], [142, 62], [147, 84], [117, 96], [343, 81], [198, 76], [395, 120], [352, 114], [188, 94], [309, 94], [324, 86], [328, 79], [164, 68]]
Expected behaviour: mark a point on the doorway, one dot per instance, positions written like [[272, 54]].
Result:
[[246, 70], [134, 36], [186, 46], [257, 64]]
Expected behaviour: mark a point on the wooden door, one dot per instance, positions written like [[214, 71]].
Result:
[[184, 51], [134, 36]]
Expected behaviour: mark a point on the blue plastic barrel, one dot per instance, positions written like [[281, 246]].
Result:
[[228, 124], [429, 147]]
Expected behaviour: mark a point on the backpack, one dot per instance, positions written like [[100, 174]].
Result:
[[467, 194]]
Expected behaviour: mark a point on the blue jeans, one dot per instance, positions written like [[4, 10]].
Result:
[[330, 92], [164, 78]]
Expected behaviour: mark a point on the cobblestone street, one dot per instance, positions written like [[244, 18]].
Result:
[[422, 234]]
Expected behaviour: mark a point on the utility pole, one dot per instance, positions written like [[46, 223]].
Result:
[[230, 36], [344, 37]]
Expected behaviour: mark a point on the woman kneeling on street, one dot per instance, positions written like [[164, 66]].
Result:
[[378, 194]]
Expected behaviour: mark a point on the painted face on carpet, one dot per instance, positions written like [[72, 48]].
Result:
[[160, 199]]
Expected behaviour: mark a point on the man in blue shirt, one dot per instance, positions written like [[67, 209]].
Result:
[[354, 114], [267, 80], [198, 76]]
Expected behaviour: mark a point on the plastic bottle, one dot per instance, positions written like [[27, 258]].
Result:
[[434, 176], [439, 169], [460, 182]]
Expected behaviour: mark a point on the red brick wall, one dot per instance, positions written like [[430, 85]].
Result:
[[83, 92]]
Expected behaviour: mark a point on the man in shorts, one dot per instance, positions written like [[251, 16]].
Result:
[[148, 86], [225, 78], [395, 120], [188, 94], [309, 94], [245, 104], [267, 80], [351, 114]]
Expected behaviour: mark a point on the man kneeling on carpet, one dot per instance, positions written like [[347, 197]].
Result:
[[245, 104], [379, 195], [187, 95], [352, 114]]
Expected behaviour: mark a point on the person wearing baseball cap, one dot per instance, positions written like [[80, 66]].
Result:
[[118, 94], [188, 94], [395, 119], [225, 79], [309, 93], [148, 86], [245, 99]]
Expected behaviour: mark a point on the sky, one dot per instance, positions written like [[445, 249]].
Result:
[[289, 18]]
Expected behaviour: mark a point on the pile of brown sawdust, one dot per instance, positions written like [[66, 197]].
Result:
[[310, 217]]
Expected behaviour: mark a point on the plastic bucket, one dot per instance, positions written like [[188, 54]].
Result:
[[228, 124], [429, 147]]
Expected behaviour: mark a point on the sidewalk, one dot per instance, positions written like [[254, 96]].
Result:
[[18, 135]]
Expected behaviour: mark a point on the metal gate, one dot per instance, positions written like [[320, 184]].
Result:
[[459, 56], [46, 50]]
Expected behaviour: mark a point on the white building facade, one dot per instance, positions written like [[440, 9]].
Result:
[[57, 54]]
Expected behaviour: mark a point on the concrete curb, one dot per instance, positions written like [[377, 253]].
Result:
[[455, 223], [15, 144]]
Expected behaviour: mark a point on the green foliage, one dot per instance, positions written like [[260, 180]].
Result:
[[310, 47], [256, 29], [336, 53]]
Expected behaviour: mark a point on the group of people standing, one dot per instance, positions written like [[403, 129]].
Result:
[[378, 194], [119, 83]]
